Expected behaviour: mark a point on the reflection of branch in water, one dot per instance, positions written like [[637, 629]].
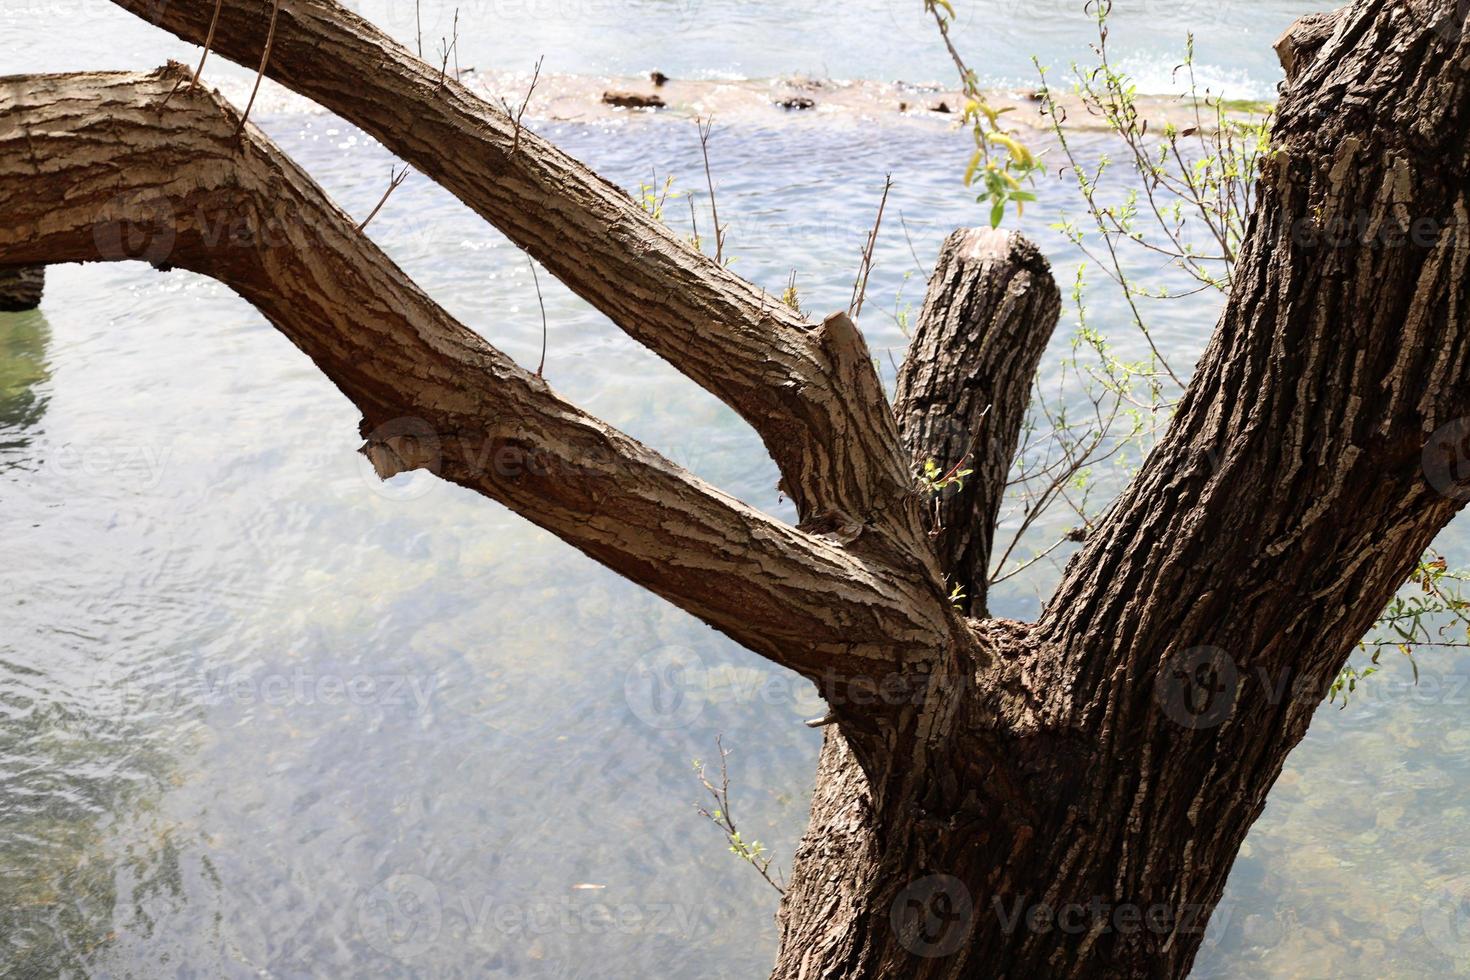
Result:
[[20, 287], [24, 367], [87, 740], [97, 860]]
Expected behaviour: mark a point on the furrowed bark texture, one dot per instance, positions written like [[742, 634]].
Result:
[[810, 391], [90, 168], [1321, 446], [21, 287], [964, 388]]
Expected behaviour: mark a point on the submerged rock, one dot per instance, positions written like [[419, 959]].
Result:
[[632, 100]]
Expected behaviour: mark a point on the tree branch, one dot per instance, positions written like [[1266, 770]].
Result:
[[839, 456], [963, 391], [180, 188]]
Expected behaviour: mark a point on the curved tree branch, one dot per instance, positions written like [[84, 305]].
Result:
[[90, 169], [836, 445]]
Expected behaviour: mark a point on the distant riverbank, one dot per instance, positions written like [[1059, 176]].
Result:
[[763, 102]]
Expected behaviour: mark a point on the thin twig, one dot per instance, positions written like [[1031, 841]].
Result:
[[208, 43], [749, 851], [265, 57], [1116, 272], [394, 179], [450, 47], [909, 238], [456, 44], [704, 128], [418, 17], [517, 114], [537, 281], [860, 284]]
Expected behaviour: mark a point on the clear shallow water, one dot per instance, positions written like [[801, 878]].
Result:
[[260, 714]]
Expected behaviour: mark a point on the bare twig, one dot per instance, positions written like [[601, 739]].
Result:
[[208, 43], [517, 114], [540, 368], [394, 179], [265, 57], [418, 19], [705, 127], [860, 284], [750, 851], [910, 239], [456, 44], [449, 47], [966, 75]]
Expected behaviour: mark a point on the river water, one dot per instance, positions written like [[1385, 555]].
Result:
[[262, 715]]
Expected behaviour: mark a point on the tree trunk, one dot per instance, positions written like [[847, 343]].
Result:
[[994, 799], [21, 287], [1082, 818]]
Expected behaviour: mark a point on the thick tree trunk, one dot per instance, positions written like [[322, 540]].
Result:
[[884, 883], [1082, 818], [995, 799], [21, 287]]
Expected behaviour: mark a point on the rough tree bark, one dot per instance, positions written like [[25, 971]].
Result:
[[1062, 798], [964, 387]]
